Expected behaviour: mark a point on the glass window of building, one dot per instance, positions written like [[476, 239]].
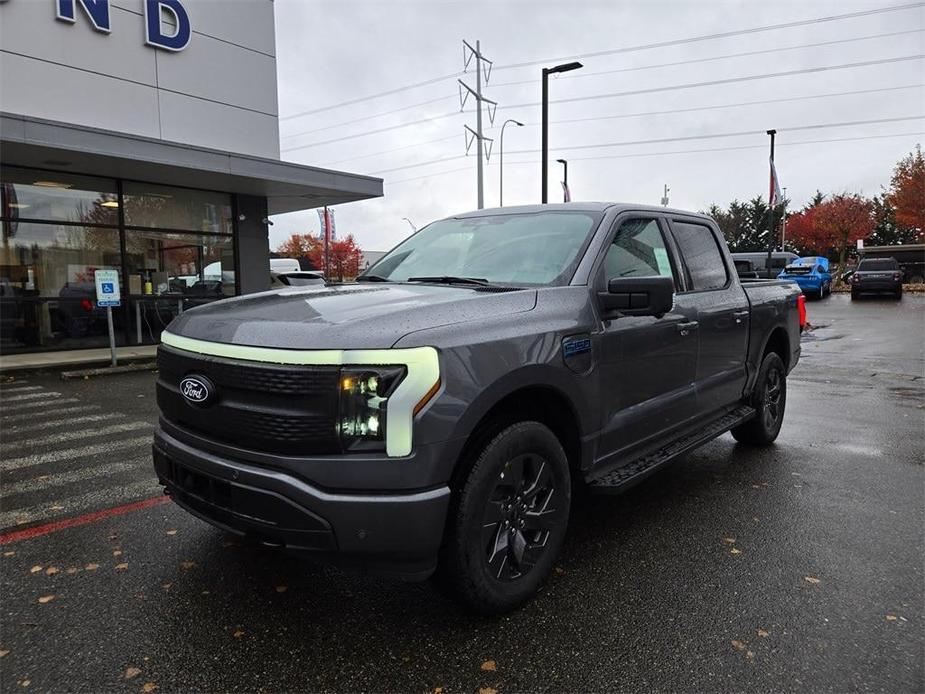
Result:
[[47, 195], [163, 207]]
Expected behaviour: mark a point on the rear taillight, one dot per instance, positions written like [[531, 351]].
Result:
[[801, 307], [897, 276]]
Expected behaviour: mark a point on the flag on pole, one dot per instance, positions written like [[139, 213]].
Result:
[[774, 194]]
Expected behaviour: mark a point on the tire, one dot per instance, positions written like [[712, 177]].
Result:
[[899, 294], [821, 292], [854, 295], [492, 559], [769, 398]]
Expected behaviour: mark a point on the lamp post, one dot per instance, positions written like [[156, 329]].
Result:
[[501, 164], [565, 193], [547, 71], [771, 233], [413, 228]]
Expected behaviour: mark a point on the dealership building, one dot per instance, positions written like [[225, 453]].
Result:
[[139, 136]]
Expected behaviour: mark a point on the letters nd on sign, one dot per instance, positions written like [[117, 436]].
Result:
[[97, 11]]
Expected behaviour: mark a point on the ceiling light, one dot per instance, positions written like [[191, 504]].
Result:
[[109, 203], [19, 205], [51, 184]]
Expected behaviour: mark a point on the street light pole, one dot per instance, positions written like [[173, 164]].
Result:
[[771, 233], [413, 228], [564, 178], [547, 71], [501, 164]]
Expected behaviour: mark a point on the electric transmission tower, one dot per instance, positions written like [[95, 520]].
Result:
[[481, 63]]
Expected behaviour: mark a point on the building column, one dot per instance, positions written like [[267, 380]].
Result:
[[252, 244]]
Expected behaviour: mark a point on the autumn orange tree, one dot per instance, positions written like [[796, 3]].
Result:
[[298, 246], [832, 225], [907, 191], [344, 258]]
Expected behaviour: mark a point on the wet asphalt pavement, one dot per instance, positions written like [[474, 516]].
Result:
[[798, 567]]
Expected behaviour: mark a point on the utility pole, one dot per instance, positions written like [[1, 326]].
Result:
[[468, 54], [771, 233], [665, 196]]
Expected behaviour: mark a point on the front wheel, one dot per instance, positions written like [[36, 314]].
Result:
[[508, 524], [769, 398], [821, 291]]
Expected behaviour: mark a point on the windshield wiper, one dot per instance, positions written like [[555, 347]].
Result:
[[372, 278], [449, 279]]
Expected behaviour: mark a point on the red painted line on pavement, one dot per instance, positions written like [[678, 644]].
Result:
[[55, 526]]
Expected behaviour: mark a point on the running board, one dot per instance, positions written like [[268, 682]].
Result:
[[615, 481]]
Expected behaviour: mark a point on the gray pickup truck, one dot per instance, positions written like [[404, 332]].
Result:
[[436, 416]]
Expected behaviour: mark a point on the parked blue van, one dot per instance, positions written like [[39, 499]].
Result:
[[811, 274]]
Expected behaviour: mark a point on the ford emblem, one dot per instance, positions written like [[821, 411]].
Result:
[[196, 389]]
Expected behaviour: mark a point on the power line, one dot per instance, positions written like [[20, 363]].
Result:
[[682, 151], [662, 44], [739, 133], [710, 37], [634, 92], [580, 74], [728, 80], [711, 107], [360, 99], [714, 107]]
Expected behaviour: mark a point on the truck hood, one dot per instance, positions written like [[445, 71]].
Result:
[[350, 316]]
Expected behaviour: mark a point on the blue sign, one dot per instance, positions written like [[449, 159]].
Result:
[[97, 12], [107, 288]]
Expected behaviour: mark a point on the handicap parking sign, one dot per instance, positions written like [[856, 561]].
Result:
[[107, 288]]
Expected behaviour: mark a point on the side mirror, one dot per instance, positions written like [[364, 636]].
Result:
[[638, 296]]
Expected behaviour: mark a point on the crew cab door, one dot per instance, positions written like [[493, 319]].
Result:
[[723, 313], [647, 363]]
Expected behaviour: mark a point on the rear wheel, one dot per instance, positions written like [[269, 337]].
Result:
[[508, 523], [769, 398], [854, 294], [899, 293]]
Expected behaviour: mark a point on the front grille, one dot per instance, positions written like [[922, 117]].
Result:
[[263, 407]]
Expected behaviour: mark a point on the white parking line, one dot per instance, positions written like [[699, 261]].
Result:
[[74, 453], [32, 405], [47, 394], [18, 389], [106, 496], [33, 416], [64, 422], [7, 445], [43, 482]]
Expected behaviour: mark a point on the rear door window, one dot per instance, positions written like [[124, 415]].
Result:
[[702, 256]]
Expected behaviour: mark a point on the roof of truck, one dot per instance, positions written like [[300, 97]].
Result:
[[577, 207]]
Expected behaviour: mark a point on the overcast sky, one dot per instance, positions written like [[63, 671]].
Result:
[[331, 52]]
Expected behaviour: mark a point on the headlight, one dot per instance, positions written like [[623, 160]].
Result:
[[364, 399]]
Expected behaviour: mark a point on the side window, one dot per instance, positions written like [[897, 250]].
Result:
[[778, 263], [701, 255], [638, 250]]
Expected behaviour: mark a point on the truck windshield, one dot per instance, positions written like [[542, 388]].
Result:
[[540, 249]]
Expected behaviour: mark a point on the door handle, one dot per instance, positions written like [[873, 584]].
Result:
[[739, 315], [686, 328]]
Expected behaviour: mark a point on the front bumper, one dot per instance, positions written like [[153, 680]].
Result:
[[396, 533]]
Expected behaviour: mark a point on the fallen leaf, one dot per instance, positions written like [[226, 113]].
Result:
[[172, 532], [51, 571], [749, 655], [187, 565], [46, 598], [891, 618], [131, 672], [148, 687], [166, 586], [117, 553], [487, 690], [205, 592], [811, 579], [4, 653], [238, 633], [735, 551], [282, 589], [490, 665], [71, 570], [35, 569], [25, 683], [114, 536], [438, 690], [559, 571], [92, 567], [738, 645], [10, 553], [729, 540], [762, 632], [121, 567], [57, 507]]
